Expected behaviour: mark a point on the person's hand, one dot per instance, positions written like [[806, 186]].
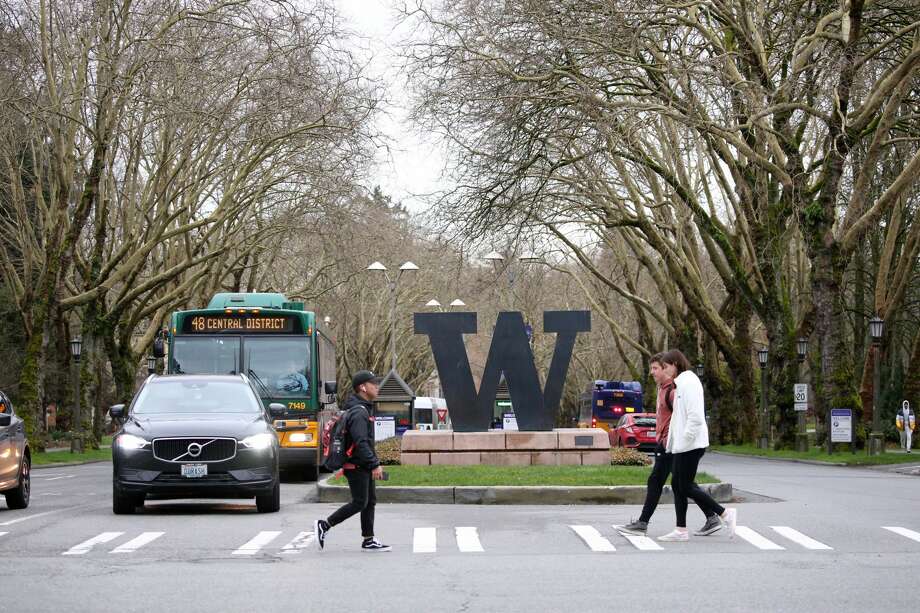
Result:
[[377, 473]]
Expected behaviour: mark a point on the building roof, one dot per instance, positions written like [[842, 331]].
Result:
[[394, 389]]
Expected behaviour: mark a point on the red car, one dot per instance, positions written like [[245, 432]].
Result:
[[634, 430]]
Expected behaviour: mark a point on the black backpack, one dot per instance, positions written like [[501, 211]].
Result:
[[335, 451]]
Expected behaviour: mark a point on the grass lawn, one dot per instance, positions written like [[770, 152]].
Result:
[[61, 457], [816, 453], [517, 475]]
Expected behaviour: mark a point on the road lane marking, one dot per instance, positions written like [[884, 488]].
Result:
[[425, 540], [593, 538], [300, 542], [86, 546], [2, 533], [914, 536], [757, 540], [61, 477], [797, 537], [28, 517], [468, 540], [256, 543], [642, 543], [135, 544]]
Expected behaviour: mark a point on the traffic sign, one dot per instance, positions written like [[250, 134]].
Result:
[[801, 406], [442, 416], [800, 391]]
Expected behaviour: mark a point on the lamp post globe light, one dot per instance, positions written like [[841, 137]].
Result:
[[876, 438], [393, 286], [76, 428], [801, 435], [151, 365], [700, 370], [763, 356]]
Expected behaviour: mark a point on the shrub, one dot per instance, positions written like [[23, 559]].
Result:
[[388, 451], [623, 456]]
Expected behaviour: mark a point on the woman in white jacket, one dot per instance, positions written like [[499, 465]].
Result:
[[687, 441]]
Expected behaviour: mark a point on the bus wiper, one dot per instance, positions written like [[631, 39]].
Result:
[[261, 384]]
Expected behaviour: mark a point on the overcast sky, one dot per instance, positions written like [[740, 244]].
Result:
[[412, 167]]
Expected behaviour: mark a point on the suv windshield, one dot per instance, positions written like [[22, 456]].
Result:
[[177, 396], [280, 366], [206, 355]]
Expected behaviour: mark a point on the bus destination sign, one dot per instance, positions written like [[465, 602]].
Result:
[[241, 324]]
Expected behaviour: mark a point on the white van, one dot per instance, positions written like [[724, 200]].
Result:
[[430, 413]]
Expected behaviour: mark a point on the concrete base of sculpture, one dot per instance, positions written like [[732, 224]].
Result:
[[563, 446]]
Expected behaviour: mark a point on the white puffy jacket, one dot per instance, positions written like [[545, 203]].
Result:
[[688, 429]]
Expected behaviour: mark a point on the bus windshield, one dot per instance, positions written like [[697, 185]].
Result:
[[280, 366], [206, 355]]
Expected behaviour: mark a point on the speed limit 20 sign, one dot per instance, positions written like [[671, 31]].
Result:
[[800, 393]]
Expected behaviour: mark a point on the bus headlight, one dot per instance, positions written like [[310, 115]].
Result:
[[300, 437], [130, 442], [258, 441]]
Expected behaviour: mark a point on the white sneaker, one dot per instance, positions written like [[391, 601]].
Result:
[[675, 535], [731, 518]]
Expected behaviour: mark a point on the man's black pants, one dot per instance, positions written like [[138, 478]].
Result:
[[363, 501], [660, 473]]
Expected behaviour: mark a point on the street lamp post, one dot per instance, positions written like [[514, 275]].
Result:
[[151, 365], [876, 438], [393, 285], [762, 357], [76, 437], [801, 436]]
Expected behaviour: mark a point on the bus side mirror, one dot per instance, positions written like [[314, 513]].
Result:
[[159, 348], [117, 411], [276, 409], [331, 387]]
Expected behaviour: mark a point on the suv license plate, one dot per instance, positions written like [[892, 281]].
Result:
[[194, 471]]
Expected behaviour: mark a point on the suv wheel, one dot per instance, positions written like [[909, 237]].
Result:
[[270, 503], [122, 504], [18, 498]]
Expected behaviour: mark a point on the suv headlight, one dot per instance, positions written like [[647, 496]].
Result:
[[131, 442], [258, 441]]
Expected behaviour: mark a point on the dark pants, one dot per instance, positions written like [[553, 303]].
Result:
[[682, 481], [363, 501], [660, 472]]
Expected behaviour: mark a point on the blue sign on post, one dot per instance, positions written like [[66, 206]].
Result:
[[841, 426]]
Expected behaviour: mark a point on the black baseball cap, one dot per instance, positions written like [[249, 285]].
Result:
[[364, 376]]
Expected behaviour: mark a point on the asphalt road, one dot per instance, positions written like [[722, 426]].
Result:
[[816, 541]]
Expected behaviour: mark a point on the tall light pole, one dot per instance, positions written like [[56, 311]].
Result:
[[76, 437], [801, 436], [876, 438], [762, 357], [393, 285]]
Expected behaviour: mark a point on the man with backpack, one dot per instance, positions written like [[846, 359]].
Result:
[[353, 446], [663, 459]]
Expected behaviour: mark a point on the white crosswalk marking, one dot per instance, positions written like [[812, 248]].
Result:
[[133, 545], [2, 533], [797, 537], [642, 543], [468, 540], [593, 538], [914, 536], [756, 539], [256, 543], [301, 541], [86, 546], [425, 540], [62, 477]]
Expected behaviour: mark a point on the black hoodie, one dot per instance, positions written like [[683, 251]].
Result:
[[360, 439]]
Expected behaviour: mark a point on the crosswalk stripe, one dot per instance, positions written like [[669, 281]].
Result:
[[642, 543], [2, 533], [593, 538], [468, 539], [61, 477], [87, 545], [914, 536], [301, 541], [797, 537], [256, 543], [133, 545], [425, 540], [756, 539]]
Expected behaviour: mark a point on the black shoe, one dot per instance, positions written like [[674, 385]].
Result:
[[320, 528], [713, 524], [636, 528], [374, 545]]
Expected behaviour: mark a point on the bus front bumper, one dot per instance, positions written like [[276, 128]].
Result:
[[298, 456]]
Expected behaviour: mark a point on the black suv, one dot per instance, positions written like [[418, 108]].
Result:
[[195, 436], [15, 457]]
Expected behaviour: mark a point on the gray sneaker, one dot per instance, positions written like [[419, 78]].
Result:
[[636, 528], [713, 524]]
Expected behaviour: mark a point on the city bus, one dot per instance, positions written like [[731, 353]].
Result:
[[605, 402], [280, 347]]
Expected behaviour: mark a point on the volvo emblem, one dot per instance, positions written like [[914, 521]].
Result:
[[194, 450]]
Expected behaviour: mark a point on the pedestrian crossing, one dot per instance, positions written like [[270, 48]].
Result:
[[468, 539]]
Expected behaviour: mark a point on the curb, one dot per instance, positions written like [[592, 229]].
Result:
[[517, 494], [795, 460]]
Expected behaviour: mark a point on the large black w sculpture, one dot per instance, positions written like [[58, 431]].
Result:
[[509, 353]]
